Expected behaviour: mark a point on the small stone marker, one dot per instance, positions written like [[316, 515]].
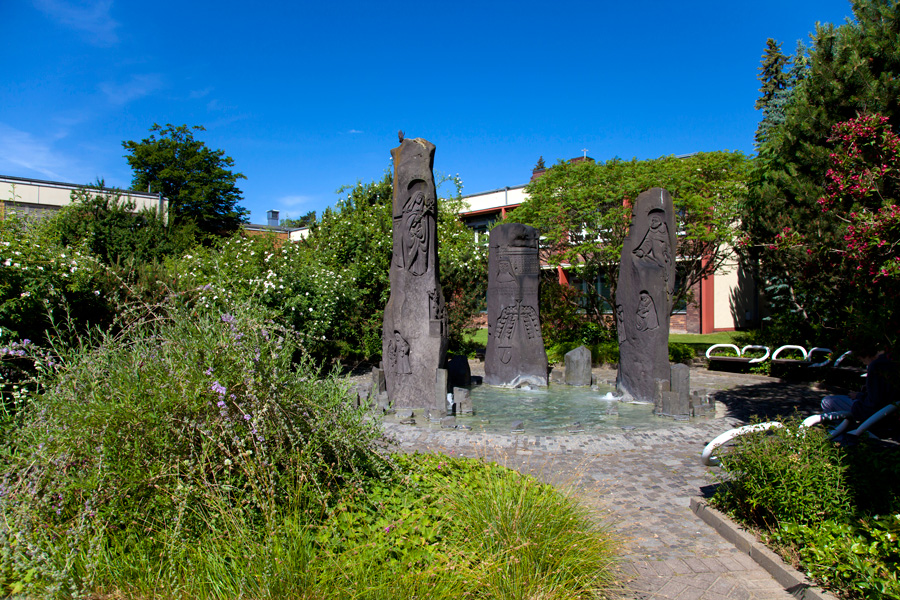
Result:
[[439, 402], [448, 423], [517, 426], [670, 405], [462, 402], [578, 366], [558, 375], [406, 416], [660, 386], [702, 404], [681, 385], [378, 384], [385, 404]]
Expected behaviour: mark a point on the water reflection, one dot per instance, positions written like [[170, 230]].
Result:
[[556, 410]]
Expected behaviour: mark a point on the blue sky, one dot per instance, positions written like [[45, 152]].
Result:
[[307, 97]]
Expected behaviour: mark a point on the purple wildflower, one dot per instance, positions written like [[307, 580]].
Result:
[[218, 388]]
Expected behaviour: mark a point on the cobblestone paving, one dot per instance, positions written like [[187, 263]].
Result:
[[642, 482]]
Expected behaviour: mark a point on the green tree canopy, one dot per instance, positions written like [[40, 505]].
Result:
[[197, 180], [852, 69], [100, 220], [582, 210]]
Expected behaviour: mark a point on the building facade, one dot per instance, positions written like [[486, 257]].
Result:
[[35, 198], [725, 301]]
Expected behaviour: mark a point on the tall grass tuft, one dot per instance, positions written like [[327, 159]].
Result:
[[533, 540]]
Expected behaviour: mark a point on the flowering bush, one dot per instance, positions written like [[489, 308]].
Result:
[[844, 261], [863, 181], [319, 302], [39, 278]]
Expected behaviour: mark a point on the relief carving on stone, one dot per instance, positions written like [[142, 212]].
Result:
[[510, 318], [654, 247], [415, 223], [646, 313], [398, 355]]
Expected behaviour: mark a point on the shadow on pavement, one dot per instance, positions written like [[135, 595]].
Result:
[[770, 400]]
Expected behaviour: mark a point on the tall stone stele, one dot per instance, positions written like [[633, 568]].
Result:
[[644, 295], [515, 350], [414, 340]]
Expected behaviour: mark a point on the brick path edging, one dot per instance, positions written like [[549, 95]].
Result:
[[793, 581]]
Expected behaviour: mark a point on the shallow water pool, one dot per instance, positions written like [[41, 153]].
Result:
[[555, 410]]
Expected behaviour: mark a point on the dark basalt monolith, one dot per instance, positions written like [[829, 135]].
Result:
[[515, 350], [414, 341], [644, 295]]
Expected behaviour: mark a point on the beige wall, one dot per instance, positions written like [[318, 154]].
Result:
[[31, 196], [495, 199], [733, 296]]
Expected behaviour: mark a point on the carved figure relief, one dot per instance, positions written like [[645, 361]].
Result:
[[655, 245], [416, 230], [646, 313], [398, 355], [620, 323], [504, 271], [437, 312], [512, 317]]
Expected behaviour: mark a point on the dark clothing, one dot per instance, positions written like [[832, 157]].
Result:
[[878, 390]]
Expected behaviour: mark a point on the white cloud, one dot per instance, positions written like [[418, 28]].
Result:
[[197, 94], [21, 150], [354, 131], [135, 88], [90, 17], [294, 201]]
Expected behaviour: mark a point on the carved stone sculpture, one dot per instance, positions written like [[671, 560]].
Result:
[[515, 350], [644, 295], [414, 340]]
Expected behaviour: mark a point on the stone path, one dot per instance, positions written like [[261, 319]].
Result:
[[642, 482]]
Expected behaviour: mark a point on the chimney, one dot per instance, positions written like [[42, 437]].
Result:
[[272, 218]]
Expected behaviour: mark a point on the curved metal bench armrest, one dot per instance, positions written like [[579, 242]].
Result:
[[756, 360], [825, 362], [707, 458], [826, 417], [882, 413], [789, 347], [841, 358], [714, 346]]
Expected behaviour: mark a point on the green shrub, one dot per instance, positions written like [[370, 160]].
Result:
[[786, 475], [456, 527], [680, 353], [186, 420], [860, 558]]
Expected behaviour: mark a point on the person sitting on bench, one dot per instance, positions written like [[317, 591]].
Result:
[[876, 393]]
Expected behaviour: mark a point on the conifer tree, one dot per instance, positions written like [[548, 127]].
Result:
[[851, 69]]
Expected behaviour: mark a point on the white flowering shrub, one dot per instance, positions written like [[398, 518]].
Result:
[[39, 277], [319, 302]]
